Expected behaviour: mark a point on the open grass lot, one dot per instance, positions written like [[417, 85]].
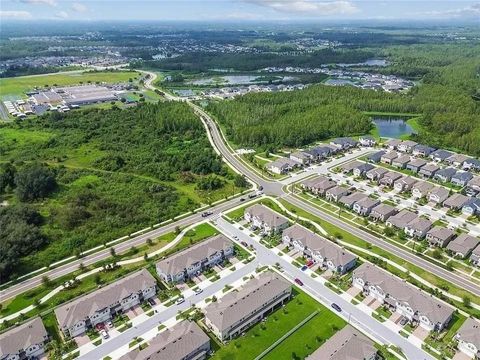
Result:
[[261, 336], [19, 85]]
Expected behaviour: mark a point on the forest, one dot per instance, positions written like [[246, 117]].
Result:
[[447, 97], [85, 178]]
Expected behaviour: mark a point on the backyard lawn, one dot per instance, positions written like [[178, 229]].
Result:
[[263, 335]]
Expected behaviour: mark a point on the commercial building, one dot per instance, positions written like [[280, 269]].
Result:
[[237, 311], [412, 303], [266, 219], [25, 341], [346, 344], [192, 261], [183, 341], [320, 250], [75, 317]]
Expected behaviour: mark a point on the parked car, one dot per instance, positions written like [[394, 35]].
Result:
[[403, 321], [242, 199], [304, 267], [244, 243], [198, 291], [298, 281], [104, 334], [336, 307], [310, 263], [110, 324], [151, 302]]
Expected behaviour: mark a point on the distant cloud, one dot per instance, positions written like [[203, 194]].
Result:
[[62, 15], [80, 8], [308, 7], [468, 11], [12, 14], [244, 15], [40, 2]]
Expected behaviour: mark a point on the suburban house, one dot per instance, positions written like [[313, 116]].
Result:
[[344, 143], [421, 189], [185, 340], [389, 178], [474, 183], [237, 311], [475, 257], [388, 157], [461, 178], [346, 344], [318, 185], [416, 164], [281, 165], [362, 169], [404, 184], [376, 173], [401, 162], [301, 157], [456, 160], [445, 175], [440, 155], [401, 219], [440, 236], [26, 341], [350, 200], [468, 337], [418, 228], [350, 166], [406, 146], [471, 207], [382, 212], [429, 170], [321, 251], [335, 193], [438, 194], [364, 207], [407, 300], [463, 245], [266, 219], [392, 144], [456, 201], [471, 164], [320, 152], [422, 150], [367, 140], [195, 259], [375, 157], [75, 317]]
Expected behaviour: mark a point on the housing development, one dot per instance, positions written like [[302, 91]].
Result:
[[290, 189]]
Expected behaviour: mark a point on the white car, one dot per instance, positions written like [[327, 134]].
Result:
[[104, 334], [198, 291], [110, 324], [180, 300]]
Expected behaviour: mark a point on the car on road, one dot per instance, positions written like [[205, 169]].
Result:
[[260, 188], [336, 307], [104, 334], [180, 300], [242, 199], [304, 267], [251, 196], [298, 281], [244, 243], [198, 291], [207, 213]]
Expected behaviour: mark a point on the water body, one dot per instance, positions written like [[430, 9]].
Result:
[[339, 82], [237, 80], [370, 62], [392, 127]]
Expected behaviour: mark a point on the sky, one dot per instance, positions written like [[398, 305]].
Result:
[[238, 10]]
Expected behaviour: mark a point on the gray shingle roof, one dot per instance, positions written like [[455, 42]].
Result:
[[349, 200], [441, 154], [425, 304], [269, 217], [420, 224], [346, 344], [314, 242], [234, 306], [470, 332], [22, 336], [174, 343], [456, 201], [440, 232], [383, 209], [72, 312], [402, 219], [463, 244], [183, 259]]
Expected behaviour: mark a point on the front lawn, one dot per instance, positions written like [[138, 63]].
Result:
[[263, 335]]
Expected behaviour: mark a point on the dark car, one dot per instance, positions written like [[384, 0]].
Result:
[[336, 307], [304, 267], [151, 302], [251, 196], [244, 243], [299, 282], [242, 199]]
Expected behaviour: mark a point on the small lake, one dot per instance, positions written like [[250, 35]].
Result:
[[392, 127], [238, 80]]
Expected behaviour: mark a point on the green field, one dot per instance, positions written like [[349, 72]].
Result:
[[261, 336], [19, 85]]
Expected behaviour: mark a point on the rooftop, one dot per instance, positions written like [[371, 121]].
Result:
[[268, 216], [23, 336]]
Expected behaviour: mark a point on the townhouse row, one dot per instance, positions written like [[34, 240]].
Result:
[[26, 341]]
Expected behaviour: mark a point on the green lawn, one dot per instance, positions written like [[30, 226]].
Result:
[[261, 336], [19, 85]]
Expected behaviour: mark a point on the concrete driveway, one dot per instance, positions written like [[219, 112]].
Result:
[[461, 356], [82, 339], [420, 333], [134, 312], [396, 317], [353, 291]]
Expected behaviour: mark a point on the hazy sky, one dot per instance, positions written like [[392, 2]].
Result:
[[234, 10]]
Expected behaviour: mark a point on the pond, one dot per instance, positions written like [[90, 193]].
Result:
[[238, 80], [392, 127]]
